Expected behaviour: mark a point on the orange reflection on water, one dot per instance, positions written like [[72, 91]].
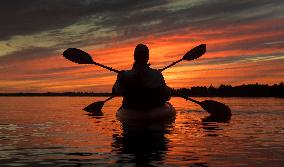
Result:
[[56, 130]]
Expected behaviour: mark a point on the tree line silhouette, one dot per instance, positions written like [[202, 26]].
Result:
[[250, 90]]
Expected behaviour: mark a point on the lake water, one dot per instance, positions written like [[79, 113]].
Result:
[[55, 131]]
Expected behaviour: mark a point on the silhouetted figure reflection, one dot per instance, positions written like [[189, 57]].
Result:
[[142, 87], [144, 146]]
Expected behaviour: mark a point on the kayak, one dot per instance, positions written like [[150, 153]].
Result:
[[162, 114]]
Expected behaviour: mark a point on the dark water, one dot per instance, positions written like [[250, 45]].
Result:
[[54, 131]]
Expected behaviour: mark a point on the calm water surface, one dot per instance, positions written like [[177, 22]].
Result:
[[54, 131]]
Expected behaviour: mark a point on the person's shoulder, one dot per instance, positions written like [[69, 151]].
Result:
[[128, 72], [124, 74], [155, 71]]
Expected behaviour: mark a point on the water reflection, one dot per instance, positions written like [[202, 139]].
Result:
[[212, 118], [47, 132], [143, 146], [96, 115], [211, 124], [146, 146]]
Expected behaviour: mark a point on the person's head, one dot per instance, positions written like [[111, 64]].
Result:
[[141, 54]]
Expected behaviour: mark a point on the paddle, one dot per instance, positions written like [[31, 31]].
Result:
[[97, 106], [190, 55], [214, 108], [80, 57]]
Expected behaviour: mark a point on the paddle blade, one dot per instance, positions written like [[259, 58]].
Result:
[[216, 108], [195, 52], [95, 107], [78, 56]]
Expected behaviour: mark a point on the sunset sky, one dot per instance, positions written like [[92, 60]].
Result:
[[245, 41]]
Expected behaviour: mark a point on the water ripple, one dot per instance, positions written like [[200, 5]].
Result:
[[47, 131]]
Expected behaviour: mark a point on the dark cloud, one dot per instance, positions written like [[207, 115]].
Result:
[[204, 15], [30, 16]]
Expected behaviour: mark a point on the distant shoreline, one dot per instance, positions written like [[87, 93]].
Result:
[[251, 90], [58, 94], [104, 95]]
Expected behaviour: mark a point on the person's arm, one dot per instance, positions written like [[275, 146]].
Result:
[[165, 91], [118, 88]]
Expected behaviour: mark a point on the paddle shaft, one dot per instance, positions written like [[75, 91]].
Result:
[[171, 65], [106, 67], [117, 71], [187, 98], [111, 97], [190, 99]]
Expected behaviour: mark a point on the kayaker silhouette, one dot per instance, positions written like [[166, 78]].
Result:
[[142, 87]]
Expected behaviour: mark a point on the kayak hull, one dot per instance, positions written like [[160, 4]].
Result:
[[162, 114]]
